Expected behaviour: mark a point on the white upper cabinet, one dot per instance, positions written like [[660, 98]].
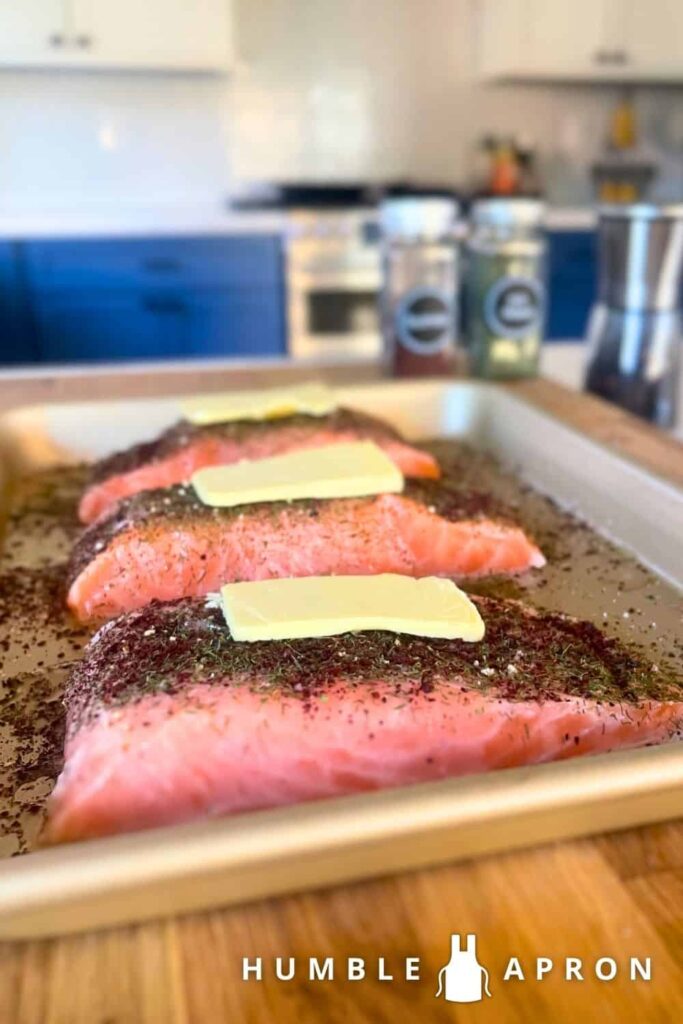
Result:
[[192, 35], [623, 40], [32, 31], [654, 39], [569, 37]]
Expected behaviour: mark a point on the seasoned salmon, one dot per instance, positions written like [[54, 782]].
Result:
[[170, 720], [166, 544], [185, 448]]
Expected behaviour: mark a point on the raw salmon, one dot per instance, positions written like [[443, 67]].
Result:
[[170, 720], [166, 544], [184, 448]]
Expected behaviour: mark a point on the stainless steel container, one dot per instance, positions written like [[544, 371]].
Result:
[[634, 331], [504, 293], [640, 252], [420, 284]]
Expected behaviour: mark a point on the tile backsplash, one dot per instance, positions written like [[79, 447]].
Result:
[[92, 138], [322, 89]]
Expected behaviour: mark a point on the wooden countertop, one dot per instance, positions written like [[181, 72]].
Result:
[[618, 895]]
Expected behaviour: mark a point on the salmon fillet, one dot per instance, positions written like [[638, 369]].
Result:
[[165, 544], [185, 448], [170, 720]]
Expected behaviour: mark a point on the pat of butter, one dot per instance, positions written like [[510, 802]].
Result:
[[335, 471], [289, 609], [312, 399]]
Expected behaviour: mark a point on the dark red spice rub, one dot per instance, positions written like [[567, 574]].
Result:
[[182, 433], [147, 509], [525, 656]]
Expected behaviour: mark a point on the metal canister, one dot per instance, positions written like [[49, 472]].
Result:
[[504, 287], [635, 328], [420, 284]]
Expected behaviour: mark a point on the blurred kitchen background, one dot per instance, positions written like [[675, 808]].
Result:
[[199, 178]]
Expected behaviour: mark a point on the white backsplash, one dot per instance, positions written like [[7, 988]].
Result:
[[383, 89], [104, 138], [343, 89]]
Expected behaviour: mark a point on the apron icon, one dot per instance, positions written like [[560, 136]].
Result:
[[465, 979]]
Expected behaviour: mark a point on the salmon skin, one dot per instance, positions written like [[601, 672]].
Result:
[[170, 720], [185, 448], [166, 544]]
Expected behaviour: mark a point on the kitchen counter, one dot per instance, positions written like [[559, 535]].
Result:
[[610, 895], [129, 221], [137, 221], [564, 362], [571, 218]]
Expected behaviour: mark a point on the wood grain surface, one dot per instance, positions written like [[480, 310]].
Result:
[[613, 896], [619, 895]]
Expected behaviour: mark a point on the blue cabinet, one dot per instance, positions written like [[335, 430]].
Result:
[[101, 327], [248, 322], [131, 263], [114, 299], [126, 299], [18, 342], [106, 326], [572, 278]]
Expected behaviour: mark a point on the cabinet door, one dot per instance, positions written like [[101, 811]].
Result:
[[247, 322], [169, 324], [552, 39], [104, 327], [572, 278], [654, 38], [32, 31], [569, 38], [109, 264], [500, 37], [192, 34], [17, 335]]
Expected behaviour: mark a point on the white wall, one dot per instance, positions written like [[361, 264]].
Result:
[[102, 138], [323, 88], [382, 88]]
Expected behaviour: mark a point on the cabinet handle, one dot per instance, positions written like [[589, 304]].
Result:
[[56, 39], [161, 264], [84, 42], [612, 57], [163, 305]]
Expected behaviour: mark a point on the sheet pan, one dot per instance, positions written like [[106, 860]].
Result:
[[620, 563]]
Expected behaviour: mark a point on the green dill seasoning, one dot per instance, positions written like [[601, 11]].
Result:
[[158, 511], [246, 433], [525, 656]]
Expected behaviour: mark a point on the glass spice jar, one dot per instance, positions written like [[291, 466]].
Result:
[[504, 295], [420, 258]]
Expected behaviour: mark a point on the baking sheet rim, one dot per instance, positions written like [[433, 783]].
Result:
[[143, 875], [128, 878]]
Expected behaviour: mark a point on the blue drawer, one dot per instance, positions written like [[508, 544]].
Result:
[[572, 279], [106, 326], [110, 264], [248, 322]]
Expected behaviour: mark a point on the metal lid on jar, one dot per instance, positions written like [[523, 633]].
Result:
[[507, 212], [419, 217]]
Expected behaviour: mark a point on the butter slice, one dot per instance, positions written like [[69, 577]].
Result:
[[315, 606], [335, 471], [313, 399]]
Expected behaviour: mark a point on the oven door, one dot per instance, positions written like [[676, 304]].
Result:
[[334, 313]]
